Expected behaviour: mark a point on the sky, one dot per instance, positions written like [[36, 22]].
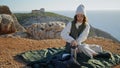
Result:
[[60, 5]]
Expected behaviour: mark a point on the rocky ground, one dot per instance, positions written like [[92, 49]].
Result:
[[10, 47]]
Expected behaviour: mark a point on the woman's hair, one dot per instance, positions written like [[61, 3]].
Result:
[[84, 19]]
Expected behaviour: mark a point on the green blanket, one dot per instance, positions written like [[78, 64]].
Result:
[[46, 54]]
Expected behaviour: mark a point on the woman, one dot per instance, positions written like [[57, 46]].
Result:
[[77, 31]]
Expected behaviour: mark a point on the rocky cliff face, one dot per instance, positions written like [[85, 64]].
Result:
[[43, 19]]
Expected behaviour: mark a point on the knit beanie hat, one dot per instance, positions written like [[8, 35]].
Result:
[[81, 9]]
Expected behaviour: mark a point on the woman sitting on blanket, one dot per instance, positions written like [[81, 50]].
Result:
[[77, 31]]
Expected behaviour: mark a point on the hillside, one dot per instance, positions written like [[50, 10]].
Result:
[[26, 19], [10, 47], [100, 33]]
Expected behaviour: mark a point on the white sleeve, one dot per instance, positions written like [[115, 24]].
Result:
[[65, 33], [83, 36]]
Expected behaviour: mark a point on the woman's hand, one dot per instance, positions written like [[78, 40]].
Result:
[[74, 43]]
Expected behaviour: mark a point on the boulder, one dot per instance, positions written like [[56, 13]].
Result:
[[5, 10], [49, 30], [18, 26], [7, 24]]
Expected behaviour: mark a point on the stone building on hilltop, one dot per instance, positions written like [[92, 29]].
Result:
[[42, 10]]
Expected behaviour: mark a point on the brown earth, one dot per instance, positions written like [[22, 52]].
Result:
[[10, 47]]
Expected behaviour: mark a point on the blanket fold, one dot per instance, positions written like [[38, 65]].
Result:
[[45, 55]]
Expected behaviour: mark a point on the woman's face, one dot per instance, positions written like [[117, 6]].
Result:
[[80, 17]]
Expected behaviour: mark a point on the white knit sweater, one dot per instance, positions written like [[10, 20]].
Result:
[[83, 36]]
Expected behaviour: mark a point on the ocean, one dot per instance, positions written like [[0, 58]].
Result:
[[106, 20]]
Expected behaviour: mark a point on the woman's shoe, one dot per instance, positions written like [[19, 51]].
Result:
[[103, 55]]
